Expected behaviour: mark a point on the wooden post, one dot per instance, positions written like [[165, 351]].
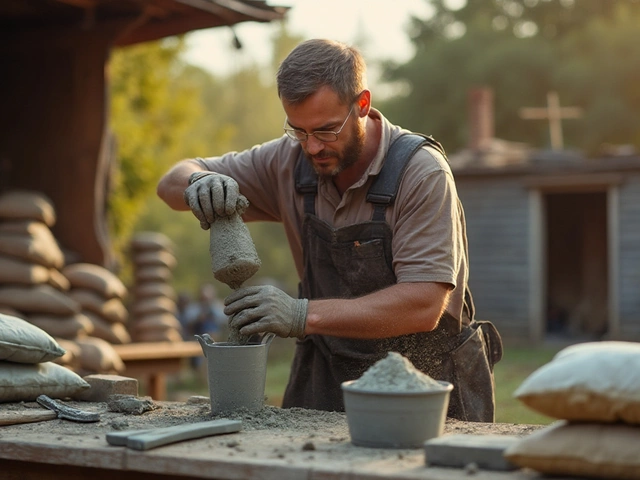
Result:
[[555, 114]]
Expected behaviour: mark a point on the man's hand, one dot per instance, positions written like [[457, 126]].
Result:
[[211, 195], [266, 308]]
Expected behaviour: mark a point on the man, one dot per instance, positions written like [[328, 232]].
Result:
[[373, 279]]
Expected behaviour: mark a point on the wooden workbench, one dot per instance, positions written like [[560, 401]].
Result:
[[152, 362], [60, 449]]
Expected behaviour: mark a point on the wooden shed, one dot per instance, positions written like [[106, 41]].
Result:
[[53, 94], [554, 244]]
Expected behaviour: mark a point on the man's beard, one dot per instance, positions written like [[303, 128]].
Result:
[[350, 154]]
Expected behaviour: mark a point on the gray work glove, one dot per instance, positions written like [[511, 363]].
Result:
[[265, 308], [212, 195]]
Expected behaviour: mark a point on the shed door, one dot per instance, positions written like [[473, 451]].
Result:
[[577, 265]]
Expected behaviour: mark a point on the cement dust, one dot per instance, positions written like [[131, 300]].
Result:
[[395, 373]]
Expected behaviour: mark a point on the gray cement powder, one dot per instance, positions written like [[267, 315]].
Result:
[[395, 373]]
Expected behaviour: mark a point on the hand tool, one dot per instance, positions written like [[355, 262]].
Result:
[[151, 438], [54, 409], [67, 412]]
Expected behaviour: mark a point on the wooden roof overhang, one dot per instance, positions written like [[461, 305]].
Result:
[[146, 20]]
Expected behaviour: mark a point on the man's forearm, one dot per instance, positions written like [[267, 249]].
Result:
[[397, 310], [172, 185]]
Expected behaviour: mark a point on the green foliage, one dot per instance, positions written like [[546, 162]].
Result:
[[152, 104], [588, 51]]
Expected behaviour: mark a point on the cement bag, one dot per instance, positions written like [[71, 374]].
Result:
[[27, 205], [38, 299], [14, 271], [111, 310], [41, 250], [68, 327], [95, 277], [115, 333], [97, 355]]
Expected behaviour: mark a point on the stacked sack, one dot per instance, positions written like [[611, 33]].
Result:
[[31, 283], [594, 390], [101, 295], [34, 288], [153, 309], [27, 368]]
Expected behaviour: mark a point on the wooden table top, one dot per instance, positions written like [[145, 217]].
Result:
[[320, 452]]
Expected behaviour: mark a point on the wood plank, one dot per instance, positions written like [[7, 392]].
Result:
[[26, 416], [158, 350]]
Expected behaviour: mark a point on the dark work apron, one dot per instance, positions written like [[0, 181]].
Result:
[[356, 260]]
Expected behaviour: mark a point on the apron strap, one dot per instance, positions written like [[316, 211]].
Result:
[[384, 188], [306, 181]]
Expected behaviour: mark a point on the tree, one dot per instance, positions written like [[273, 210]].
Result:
[[508, 45], [152, 105]]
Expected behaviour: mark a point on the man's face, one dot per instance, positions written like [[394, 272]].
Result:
[[323, 112], [338, 156]]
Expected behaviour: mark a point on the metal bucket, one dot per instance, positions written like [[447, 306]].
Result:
[[236, 373]]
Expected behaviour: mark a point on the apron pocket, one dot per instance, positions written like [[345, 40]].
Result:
[[473, 380]]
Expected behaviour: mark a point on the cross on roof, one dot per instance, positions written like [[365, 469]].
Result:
[[555, 114]]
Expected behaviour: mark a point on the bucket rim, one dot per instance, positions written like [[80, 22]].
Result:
[[445, 388]]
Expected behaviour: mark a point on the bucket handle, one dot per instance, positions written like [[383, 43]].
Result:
[[267, 338], [205, 341]]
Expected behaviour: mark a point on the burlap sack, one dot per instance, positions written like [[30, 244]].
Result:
[[587, 382], [169, 335], [23, 342], [58, 281], [95, 277], [115, 333], [152, 273], [69, 327], [71, 358], [157, 321], [144, 241], [4, 310], [15, 271], [155, 257], [593, 450], [41, 250], [111, 310], [27, 205], [30, 228], [151, 305], [20, 382], [38, 299], [154, 289], [98, 356]]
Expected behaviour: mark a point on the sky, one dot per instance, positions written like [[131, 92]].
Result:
[[383, 23]]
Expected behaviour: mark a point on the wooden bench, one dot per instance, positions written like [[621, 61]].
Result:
[[151, 362]]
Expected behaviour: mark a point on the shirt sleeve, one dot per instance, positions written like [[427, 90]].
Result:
[[261, 173], [428, 237]]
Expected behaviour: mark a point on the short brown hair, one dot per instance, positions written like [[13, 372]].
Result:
[[317, 63]]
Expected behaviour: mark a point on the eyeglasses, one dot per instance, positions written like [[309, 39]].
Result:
[[322, 135]]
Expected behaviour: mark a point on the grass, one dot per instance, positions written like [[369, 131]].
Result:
[[516, 364]]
